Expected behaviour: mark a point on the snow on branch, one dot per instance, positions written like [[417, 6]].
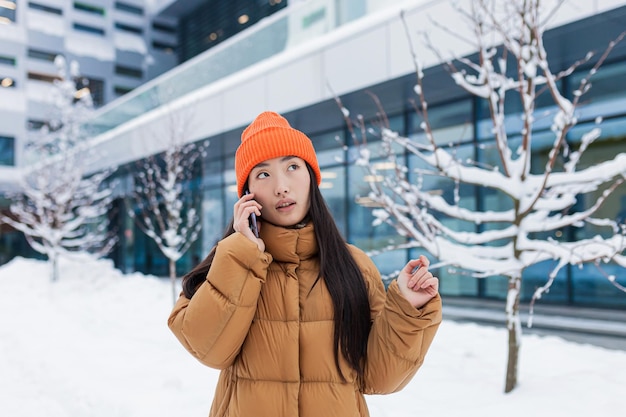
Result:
[[163, 203], [508, 211], [62, 207]]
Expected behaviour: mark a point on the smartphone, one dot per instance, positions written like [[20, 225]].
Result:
[[252, 221]]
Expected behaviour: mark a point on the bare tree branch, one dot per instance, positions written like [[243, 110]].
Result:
[[164, 208], [62, 207], [511, 62]]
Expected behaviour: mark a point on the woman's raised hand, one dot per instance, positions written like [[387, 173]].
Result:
[[242, 210], [416, 283]]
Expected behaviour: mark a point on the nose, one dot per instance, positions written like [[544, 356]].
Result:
[[281, 187], [281, 190]]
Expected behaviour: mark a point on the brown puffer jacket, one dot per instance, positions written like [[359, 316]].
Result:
[[259, 318]]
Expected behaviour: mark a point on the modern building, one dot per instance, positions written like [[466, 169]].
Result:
[[118, 46], [296, 60]]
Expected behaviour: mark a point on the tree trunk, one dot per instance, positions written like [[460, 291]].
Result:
[[54, 260], [513, 324], [173, 279]]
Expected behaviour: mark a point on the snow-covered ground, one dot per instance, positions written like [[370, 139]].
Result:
[[96, 343]]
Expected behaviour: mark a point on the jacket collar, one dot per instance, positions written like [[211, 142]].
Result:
[[289, 244]]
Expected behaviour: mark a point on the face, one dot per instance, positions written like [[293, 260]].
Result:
[[281, 186]]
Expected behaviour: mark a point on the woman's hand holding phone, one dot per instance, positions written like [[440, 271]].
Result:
[[253, 224], [246, 210]]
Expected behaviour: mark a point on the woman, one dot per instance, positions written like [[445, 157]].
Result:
[[297, 320]]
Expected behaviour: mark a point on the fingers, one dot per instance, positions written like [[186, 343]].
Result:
[[415, 264], [417, 269], [242, 210], [248, 203], [420, 279], [246, 206], [430, 285]]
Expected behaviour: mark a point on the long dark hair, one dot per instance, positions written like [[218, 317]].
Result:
[[341, 274]]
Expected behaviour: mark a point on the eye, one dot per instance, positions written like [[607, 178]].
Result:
[[293, 167], [262, 174]]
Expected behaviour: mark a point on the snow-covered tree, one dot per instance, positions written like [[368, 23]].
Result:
[[544, 191], [61, 206], [164, 205]]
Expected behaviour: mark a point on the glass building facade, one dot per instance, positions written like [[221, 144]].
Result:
[[455, 118], [214, 21], [461, 120]]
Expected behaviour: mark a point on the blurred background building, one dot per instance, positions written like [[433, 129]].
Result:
[[220, 63]]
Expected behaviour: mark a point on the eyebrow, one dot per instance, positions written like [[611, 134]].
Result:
[[283, 159]]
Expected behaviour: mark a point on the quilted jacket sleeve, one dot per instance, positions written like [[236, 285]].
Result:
[[213, 324], [400, 336]]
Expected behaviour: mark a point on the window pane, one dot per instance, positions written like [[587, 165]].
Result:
[[89, 29], [450, 123], [328, 148], [591, 285], [164, 47], [44, 8], [360, 219], [128, 8], [163, 27], [7, 60], [603, 88], [7, 150], [89, 8], [7, 12], [95, 87], [333, 188], [43, 55], [213, 219], [120, 91], [128, 28], [129, 72]]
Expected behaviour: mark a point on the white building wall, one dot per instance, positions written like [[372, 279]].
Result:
[[369, 51]]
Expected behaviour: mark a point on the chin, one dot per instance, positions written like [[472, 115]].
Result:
[[290, 222]]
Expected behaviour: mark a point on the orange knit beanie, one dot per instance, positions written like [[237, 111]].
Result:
[[270, 136]]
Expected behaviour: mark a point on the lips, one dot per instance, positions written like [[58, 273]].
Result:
[[285, 204]]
